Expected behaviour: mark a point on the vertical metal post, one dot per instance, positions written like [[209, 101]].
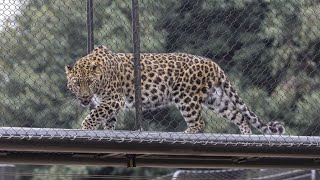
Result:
[[131, 160], [89, 26], [136, 59], [90, 42], [7, 171]]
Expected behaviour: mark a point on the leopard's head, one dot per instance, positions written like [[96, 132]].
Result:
[[83, 79]]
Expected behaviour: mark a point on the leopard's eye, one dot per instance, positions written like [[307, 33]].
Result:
[[77, 82]]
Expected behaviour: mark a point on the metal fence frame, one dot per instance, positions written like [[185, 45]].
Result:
[[65, 146], [136, 59]]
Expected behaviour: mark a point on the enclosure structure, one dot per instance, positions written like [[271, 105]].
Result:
[[274, 46], [129, 148]]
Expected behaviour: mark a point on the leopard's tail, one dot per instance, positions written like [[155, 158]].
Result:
[[273, 127]]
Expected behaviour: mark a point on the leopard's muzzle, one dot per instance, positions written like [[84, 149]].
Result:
[[85, 100]]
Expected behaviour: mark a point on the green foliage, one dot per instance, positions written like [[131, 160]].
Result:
[[49, 34], [60, 173], [33, 53], [46, 36], [269, 48], [138, 172]]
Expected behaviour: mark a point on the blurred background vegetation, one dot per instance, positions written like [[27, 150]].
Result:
[[270, 49]]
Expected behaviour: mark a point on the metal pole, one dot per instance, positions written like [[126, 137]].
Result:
[[136, 58], [89, 26], [90, 33]]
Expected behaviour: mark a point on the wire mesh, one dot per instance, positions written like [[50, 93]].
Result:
[[268, 49], [270, 174]]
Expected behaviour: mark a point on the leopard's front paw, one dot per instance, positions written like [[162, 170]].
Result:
[[192, 130], [86, 126]]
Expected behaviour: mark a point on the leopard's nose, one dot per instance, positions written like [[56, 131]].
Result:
[[85, 102]]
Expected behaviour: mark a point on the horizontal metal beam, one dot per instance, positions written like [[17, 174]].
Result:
[[90, 146], [156, 149], [50, 159], [150, 136], [66, 140]]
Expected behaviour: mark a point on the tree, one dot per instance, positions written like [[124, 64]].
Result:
[[45, 36], [269, 49]]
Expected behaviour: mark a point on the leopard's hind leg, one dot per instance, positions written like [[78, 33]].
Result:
[[226, 102], [110, 123], [190, 109], [218, 101]]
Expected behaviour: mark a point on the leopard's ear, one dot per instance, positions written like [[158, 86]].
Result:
[[102, 49], [94, 66], [68, 69]]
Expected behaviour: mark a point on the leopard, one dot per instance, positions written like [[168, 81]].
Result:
[[105, 80]]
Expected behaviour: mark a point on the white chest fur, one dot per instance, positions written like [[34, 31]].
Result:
[[96, 100]]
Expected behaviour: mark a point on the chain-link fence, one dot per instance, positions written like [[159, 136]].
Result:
[[268, 49], [233, 174]]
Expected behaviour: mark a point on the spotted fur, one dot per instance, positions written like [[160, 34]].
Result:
[[189, 82]]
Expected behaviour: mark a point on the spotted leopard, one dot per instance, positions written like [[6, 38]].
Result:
[[189, 82]]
